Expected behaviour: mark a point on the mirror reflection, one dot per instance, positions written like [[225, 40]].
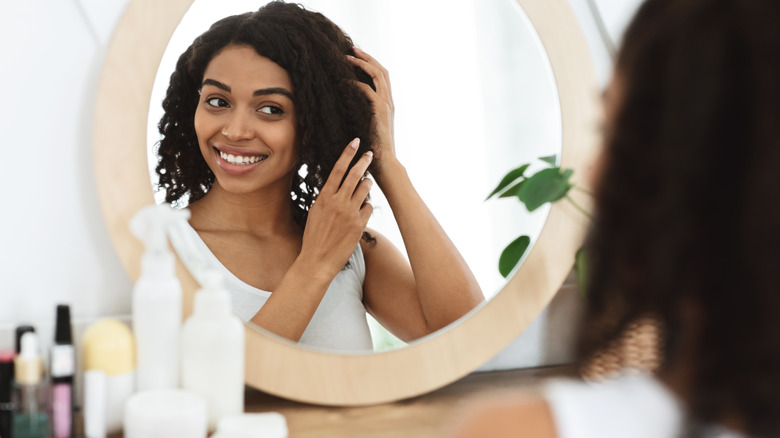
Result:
[[255, 122]]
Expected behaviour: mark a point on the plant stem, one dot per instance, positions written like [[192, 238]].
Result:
[[578, 208], [582, 190]]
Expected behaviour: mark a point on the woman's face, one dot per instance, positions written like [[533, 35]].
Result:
[[245, 122]]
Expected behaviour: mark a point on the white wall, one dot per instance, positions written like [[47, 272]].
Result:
[[54, 247]]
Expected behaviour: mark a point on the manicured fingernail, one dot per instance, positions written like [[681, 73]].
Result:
[[355, 143], [370, 155]]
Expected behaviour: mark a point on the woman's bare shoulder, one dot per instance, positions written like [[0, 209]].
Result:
[[507, 415]]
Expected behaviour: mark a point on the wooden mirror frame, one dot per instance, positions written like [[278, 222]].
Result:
[[280, 367]]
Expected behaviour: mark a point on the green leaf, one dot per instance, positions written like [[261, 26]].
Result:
[[550, 159], [509, 178], [512, 191], [548, 185], [512, 254], [581, 268]]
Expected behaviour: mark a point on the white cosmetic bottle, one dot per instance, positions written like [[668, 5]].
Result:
[[157, 301], [213, 351]]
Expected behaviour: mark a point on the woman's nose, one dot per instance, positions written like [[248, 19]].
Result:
[[237, 128]]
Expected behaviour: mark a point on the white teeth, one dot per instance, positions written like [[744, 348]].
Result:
[[240, 160]]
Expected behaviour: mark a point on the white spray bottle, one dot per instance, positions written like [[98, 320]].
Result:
[[157, 300], [213, 351]]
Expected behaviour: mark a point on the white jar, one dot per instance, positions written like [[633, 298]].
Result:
[[165, 413]]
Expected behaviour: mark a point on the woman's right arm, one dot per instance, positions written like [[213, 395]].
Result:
[[335, 224]]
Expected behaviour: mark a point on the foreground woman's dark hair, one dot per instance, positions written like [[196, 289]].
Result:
[[687, 227]]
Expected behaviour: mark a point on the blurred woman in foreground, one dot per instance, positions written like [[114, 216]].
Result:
[[686, 231]]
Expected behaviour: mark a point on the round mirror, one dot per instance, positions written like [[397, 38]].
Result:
[[280, 367], [487, 104]]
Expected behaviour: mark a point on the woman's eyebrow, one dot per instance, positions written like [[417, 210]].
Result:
[[273, 90], [217, 84]]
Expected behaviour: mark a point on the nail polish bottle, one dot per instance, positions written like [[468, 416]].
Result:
[[63, 366], [31, 401]]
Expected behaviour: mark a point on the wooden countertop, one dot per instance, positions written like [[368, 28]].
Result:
[[418, 417]]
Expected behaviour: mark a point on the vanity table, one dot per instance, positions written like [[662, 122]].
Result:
[[417, 417]]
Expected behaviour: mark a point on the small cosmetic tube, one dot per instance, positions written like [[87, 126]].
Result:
[[264, 425], [63, 366], [108, 346], [95, 404], [166, 413], [31, 401], [6, 389]]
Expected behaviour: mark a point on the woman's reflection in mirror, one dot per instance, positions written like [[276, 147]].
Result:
[[272, 121]]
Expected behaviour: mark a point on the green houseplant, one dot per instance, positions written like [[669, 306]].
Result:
[[548, 185]]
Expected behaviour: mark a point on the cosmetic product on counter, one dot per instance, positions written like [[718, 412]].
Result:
[[213, 351], [157, 300], [107, 345], [263, 425], [165, 413], [31, 401], [95, 404], [62, 368], [6, 390], [20, 330]]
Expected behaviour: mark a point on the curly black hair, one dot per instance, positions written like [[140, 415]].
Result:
[[688, 204], [331, 109]]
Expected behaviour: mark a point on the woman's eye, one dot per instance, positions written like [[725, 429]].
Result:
[[216, 102], [270, 109]]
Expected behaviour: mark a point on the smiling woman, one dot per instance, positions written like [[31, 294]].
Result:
[[288, 237]]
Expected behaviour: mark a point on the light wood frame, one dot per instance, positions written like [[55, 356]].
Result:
[[278, 366]]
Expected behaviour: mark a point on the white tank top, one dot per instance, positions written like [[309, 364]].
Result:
[[339, 323], [633, 405]]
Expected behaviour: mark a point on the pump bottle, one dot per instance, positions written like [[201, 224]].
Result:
[[213, 351], [31, 401], [156, 301]]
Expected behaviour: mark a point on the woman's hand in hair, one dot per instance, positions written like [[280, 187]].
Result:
[[340, 214], [382, 102]]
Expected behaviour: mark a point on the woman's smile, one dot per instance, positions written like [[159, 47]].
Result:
[[237, 161]]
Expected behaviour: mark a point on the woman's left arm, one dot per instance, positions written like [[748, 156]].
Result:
[[440, 282]]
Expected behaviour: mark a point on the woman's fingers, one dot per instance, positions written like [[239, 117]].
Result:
[[361, 54], [355, 174], [378, 74], [360, 195], [365, 213], [340, 168]]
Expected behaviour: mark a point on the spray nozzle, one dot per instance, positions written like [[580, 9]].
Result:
[[212, 299], [150, 223], [212, 281]]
